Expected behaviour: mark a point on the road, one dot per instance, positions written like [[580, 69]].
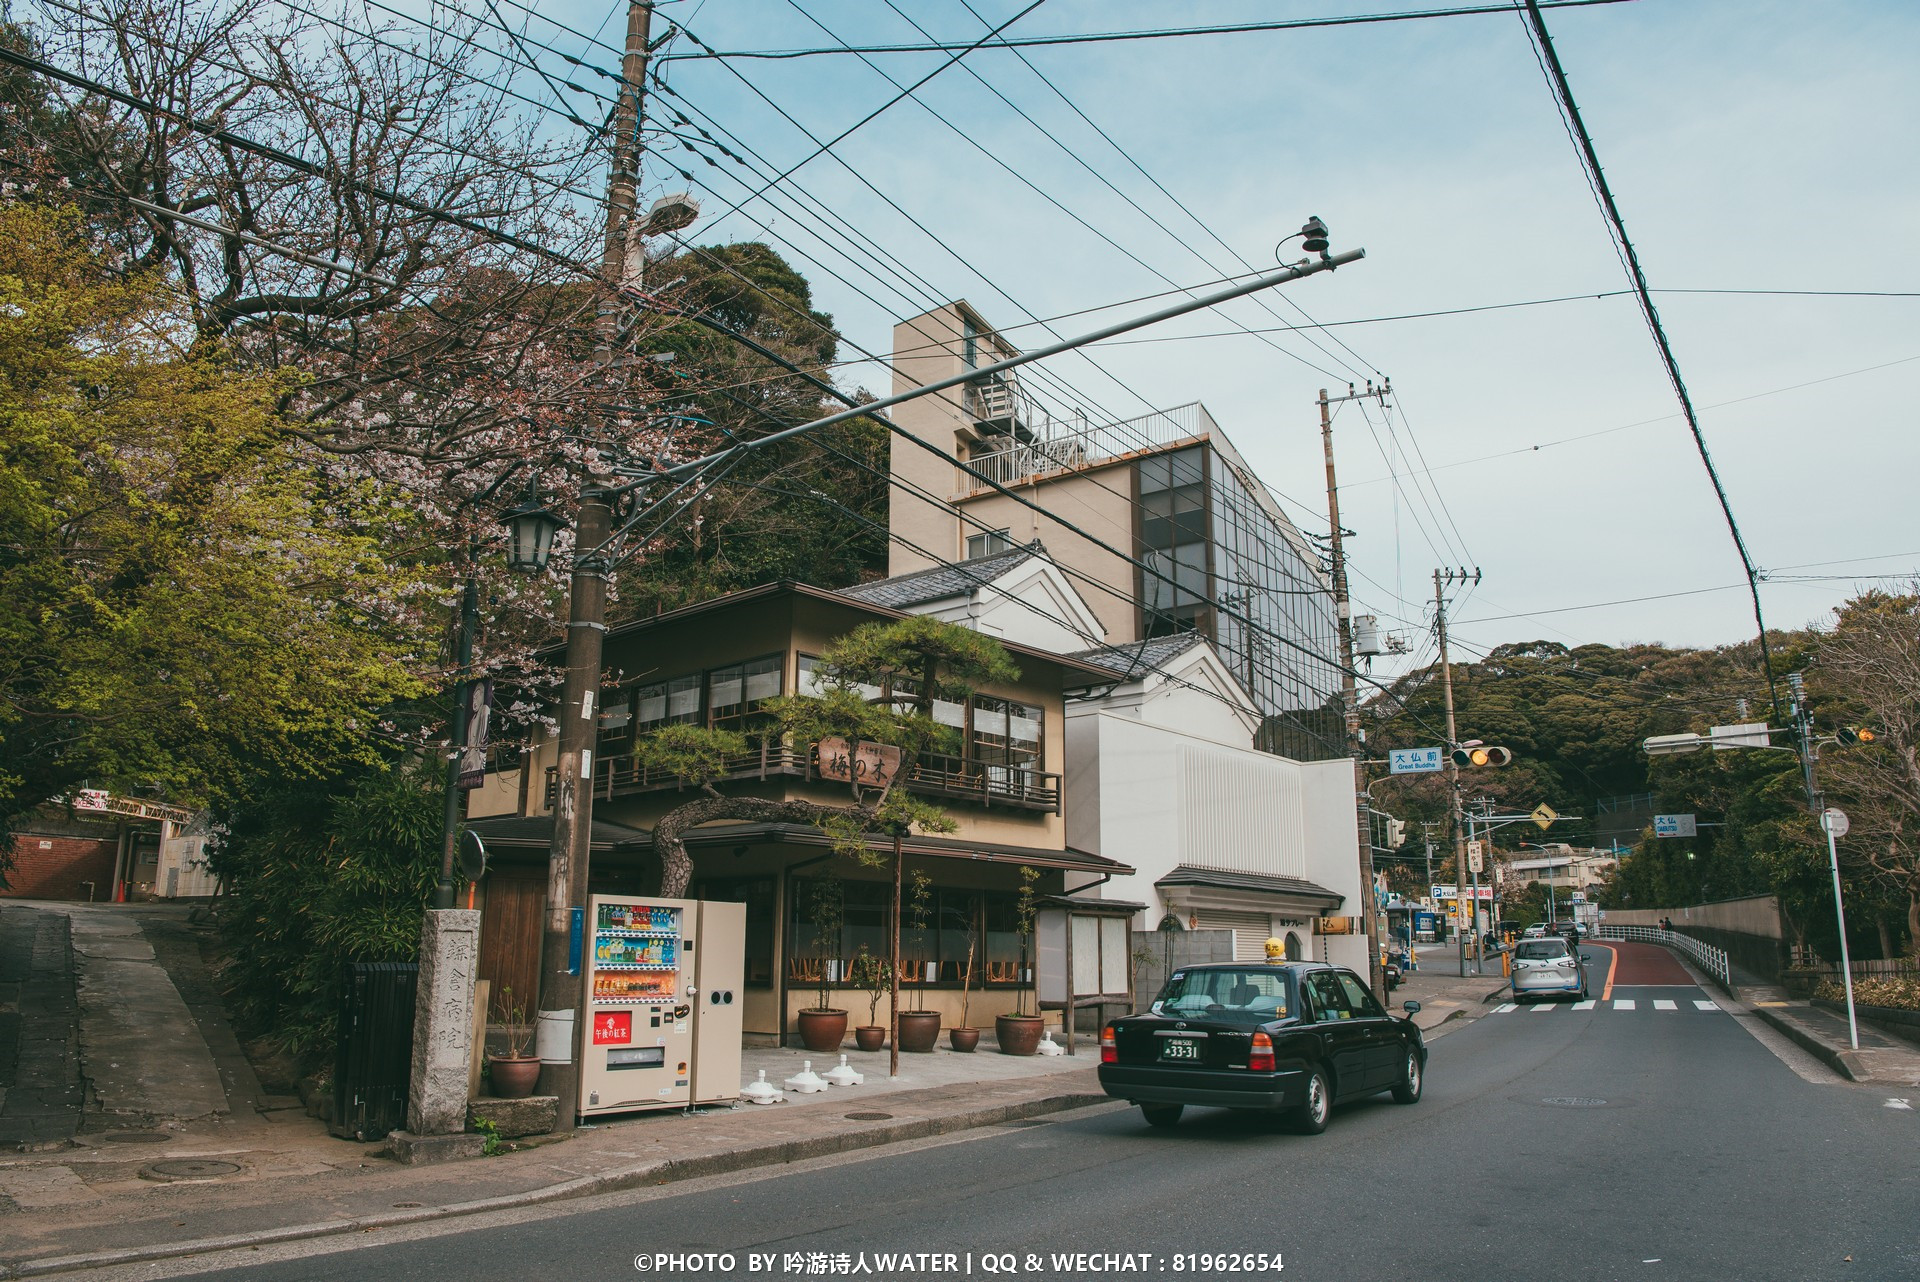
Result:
[[1659, 1139]]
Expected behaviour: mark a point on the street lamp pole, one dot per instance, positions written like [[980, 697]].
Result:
[[1809, 753]]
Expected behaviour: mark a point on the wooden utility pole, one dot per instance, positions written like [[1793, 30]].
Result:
[[1349, 694], [563, 1000]]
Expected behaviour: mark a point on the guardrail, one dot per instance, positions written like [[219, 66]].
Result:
[[1706, 956]]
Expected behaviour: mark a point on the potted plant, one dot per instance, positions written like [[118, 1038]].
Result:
[[875, 977], [823, 1025], [965, 1037], [515, 1072], [919, 1029], [1019, 1033]]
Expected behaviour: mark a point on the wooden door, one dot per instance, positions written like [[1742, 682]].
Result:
[[510, 935]]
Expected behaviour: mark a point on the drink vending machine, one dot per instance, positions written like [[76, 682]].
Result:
[[663, 1001]]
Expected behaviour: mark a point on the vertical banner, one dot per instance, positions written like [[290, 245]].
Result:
[[476, 707]]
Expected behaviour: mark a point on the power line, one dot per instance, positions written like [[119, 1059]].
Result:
[[1557, 78], [1161, 33]]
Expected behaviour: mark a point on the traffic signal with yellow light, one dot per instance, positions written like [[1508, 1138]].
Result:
[[1850, 735], [1481, 755]]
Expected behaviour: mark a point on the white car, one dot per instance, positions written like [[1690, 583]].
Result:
[[1547, 968], [1536, 931]]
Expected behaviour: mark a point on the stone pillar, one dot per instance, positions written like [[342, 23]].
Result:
[[443, 1022]]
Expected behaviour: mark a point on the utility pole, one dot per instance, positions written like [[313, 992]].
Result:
[[1349, 695], [562, 976], [1809, 753], [1468, 919]]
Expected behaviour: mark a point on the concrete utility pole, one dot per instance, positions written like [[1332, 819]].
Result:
[[1468, 918], [1349, 695], [562, 976]]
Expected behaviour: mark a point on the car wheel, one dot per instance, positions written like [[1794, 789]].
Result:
[[1311, 1117], [1412, 1079], [1162, 1114]]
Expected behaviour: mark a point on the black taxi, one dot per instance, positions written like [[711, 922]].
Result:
[[1280, 1037]]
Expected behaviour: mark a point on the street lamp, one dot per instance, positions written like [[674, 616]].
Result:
[[1670, 745], [530, 531]]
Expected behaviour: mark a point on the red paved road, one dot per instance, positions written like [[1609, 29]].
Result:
[[1644, 964]]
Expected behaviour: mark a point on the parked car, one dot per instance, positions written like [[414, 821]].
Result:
[[1293, 1038], [1547, 968], [1536, 931]]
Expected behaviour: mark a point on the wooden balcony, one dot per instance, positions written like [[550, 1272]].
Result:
[[949, 778]]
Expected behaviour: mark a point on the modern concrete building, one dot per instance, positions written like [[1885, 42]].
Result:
[[1170, 530]]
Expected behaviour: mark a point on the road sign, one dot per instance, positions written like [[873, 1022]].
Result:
[[1415, 761], [1674, 826], [1544, 815], [1837, 821], [1476, 855]]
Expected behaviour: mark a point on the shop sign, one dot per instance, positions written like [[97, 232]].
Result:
[[863, 764], [1337, 926]]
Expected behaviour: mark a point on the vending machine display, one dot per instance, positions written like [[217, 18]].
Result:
[[661, 995]]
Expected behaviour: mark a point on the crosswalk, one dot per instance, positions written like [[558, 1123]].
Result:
[[1617, 1003]]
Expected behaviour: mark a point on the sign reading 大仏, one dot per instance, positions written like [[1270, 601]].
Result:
[[1414, 761]]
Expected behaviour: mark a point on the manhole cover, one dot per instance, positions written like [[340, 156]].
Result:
[[136, 1137], [869, 1117], [1575, 1101], [189, 1168]]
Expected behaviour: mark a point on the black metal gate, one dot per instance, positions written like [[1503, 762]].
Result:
[[375, 1061]]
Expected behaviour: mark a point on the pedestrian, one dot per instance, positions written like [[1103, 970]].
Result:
[[1666, 924]]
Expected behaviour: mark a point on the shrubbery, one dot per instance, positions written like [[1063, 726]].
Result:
[[1897, 992]]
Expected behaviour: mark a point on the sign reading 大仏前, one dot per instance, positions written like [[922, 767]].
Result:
[[1414, 761]]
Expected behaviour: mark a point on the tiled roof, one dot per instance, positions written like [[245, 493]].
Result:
[[1219, 879], [904, 591], [1137, 658]]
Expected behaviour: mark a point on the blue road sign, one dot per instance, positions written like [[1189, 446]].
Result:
[[1415, 761]]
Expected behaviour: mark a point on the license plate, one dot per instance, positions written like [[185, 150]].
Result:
[[1178, 1048]]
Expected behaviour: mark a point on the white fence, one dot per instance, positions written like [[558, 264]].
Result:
[[1706, 956]]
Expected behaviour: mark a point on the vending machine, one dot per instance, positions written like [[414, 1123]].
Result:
[[664, 1017]]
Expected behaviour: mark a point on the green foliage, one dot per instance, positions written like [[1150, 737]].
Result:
[[827, 910], [1897, 992], [873, 976], [694, 753], [1026, 905], [322, 874], [494, 1145], [177, 606]]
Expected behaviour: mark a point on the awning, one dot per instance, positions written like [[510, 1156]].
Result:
[[535, 832], [914, 844], [1295, 890]]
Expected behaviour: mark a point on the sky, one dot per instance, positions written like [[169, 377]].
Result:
[[1751, 146]]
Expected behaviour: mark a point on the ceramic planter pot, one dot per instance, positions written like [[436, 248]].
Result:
[[1018, 1034], [822, 1030], [963, 1039], [919, 1030], [513, 1078], [870, 1037]]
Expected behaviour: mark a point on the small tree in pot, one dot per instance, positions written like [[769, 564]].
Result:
[[873, 976], [1019, 1033], [919, 1029], [965, 1037], [513, 1072], [823, 1025]]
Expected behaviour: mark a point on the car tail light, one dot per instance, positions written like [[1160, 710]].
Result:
[[1260, 1058], [1109, 1051]]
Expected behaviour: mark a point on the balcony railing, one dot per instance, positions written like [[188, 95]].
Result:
[[1060, 446], [1011, 787]]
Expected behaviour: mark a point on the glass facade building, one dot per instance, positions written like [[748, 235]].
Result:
[[1227, 563]]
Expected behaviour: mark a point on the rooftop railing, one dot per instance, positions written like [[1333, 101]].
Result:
[[1061, 447]]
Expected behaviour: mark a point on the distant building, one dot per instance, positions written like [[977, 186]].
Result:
[[1563, 867], [1166, 489]]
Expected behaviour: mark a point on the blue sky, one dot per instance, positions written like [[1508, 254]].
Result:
[[1751, 145]]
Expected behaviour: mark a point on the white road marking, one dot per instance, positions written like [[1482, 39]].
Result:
[[1700, 1005], [1585, 1005], [1898, 1103], [1501, 1010], [1661, 1003], [1541, 1010], [1623, 1003]]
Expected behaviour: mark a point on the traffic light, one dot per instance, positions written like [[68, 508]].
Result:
[[1396, 833], [1468, 758], [1850, 735]]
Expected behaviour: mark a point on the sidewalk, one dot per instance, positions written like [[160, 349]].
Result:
[[1823, 1033], [1446, 998]]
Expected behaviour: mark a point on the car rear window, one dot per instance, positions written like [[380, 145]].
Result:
[[1540, 949], [1254, 992]]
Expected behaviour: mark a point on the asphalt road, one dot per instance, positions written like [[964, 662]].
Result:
[[1607, 1143]]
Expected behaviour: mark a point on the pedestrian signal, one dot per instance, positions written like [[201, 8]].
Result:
[[1468, 758], [1851, 735]]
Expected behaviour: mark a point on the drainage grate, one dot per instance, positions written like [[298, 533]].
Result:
[[405, 1206], [189, 1168], [1575, 1101], [136, 1137], [869, 1117]]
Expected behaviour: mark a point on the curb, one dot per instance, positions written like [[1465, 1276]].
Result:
[[662, 1172], [1845, 1063], [1497, 994]]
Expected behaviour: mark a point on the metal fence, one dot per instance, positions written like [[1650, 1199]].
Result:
[[374, 1065], [1706, 956]]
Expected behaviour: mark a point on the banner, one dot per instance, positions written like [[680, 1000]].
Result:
[[476, 700]]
